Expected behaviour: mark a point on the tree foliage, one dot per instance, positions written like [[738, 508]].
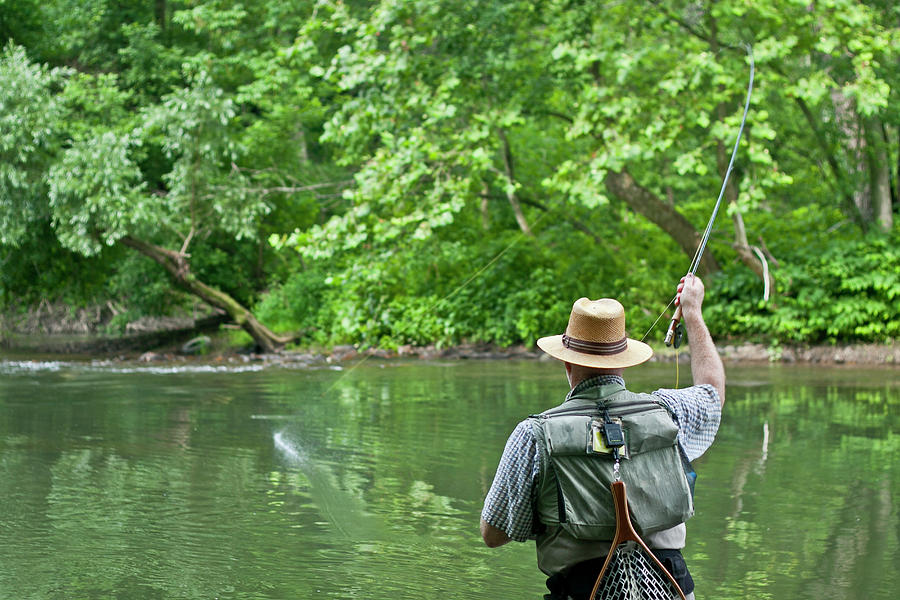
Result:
[[405, 171]]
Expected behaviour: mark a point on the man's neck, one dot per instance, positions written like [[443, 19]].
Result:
[[577, 373]]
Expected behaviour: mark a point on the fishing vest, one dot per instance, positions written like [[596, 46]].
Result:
[[573, 499]]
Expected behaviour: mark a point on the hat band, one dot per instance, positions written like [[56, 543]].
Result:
[[599, 348]]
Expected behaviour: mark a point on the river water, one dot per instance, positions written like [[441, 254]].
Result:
[[129, 481]]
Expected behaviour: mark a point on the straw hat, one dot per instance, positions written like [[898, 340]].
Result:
[[595, 337]]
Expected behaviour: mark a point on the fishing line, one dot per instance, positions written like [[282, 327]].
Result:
[[699, 254], [701, 247], [676, 368], [455, 291], [665, 310], [661, 315], [491, 262], [278, 436]]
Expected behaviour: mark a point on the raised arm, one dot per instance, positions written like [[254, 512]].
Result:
[[706, 365]]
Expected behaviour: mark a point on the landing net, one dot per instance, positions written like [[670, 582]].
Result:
[[633, 575]]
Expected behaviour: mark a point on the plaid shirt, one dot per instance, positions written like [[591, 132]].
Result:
[[508, 506]]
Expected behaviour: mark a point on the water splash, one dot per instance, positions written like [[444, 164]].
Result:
[[13, 367], [345, 510], [291, 451]]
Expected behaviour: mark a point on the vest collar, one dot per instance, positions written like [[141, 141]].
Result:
[[596, 388]]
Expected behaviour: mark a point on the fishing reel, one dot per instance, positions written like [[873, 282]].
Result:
[[678, 336], [675, 334]]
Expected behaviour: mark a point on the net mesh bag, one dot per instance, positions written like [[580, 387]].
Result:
[[633, 575]]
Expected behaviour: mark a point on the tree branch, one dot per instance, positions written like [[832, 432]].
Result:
[[708, 37], [179, 268], [622, 185], [292, 189]]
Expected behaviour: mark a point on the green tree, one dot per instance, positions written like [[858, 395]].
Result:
[[89, 179], [182, 128], [31, 110], [402, 144], [559, 107]]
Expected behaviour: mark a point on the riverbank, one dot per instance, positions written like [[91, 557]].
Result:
[[205, 335], [744, 353], [859, 354], [185, 345], [54, 330]]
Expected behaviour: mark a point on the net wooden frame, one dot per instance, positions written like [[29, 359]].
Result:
[[631, 571]]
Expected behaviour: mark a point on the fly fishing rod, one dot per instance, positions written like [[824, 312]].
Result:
[[675, 332]]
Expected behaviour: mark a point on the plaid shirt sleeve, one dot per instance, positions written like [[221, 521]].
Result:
[[697, 412], [508, 505]]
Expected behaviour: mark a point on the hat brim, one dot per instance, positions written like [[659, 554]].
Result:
[[635, 353]]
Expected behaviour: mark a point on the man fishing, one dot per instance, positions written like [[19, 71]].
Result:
[[548, 483]]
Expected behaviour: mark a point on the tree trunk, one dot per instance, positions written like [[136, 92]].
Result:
[[866, 144], [300, 138], [159, 9], [178, 267], [510, 185], [882, 208], [853, 139], [622, 185], [896, 189], [879, 177]]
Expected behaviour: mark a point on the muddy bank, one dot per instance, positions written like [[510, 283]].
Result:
[[57, 328], [168, 334]]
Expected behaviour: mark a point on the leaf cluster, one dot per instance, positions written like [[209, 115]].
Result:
[[845, 289]]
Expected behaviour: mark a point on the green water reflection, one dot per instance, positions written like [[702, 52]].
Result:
[[367, 483]]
